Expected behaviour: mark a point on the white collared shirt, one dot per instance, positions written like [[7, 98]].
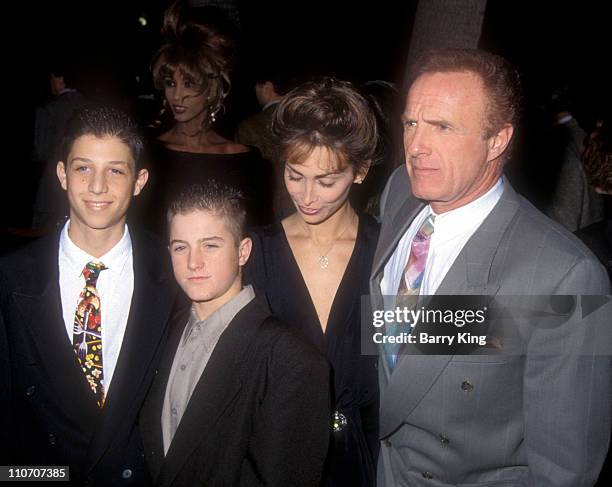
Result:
[[115, 286], [451, 232]]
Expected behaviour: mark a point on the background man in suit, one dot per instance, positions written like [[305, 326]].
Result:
[[453, 225], [239, 399], [84, 313], [50, 122], [272, 83]]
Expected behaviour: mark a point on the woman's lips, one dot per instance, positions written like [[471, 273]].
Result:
[[178, 108], [308, 211]]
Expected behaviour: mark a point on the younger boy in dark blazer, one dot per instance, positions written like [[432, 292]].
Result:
[[238, 400]]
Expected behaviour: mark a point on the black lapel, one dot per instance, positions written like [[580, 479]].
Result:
[[41, 308], [219, 384], [150, 416], [150, 308]]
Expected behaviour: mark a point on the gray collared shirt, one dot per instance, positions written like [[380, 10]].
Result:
[[193, 353]]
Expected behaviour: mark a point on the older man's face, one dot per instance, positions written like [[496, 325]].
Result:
[[449, 159]]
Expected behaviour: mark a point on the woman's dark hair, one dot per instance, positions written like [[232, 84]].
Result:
[[327, 113], [199, 43]]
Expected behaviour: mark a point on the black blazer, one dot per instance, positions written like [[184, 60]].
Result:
[[259, 415], [51, 415]]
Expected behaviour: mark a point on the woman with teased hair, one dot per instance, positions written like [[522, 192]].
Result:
[[314, 266], [192, 68]]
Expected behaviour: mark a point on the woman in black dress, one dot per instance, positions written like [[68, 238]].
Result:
[[193, 69], [314, 266]]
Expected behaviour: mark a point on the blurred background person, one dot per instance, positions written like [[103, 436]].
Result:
[[50, 122], [314, 265], [193, 69], [573, 202], [272, 82], [597, 162]]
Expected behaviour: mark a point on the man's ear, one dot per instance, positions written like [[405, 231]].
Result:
[[141, 180], [499, 142], [244, 250], [363, 172], [60, 170]]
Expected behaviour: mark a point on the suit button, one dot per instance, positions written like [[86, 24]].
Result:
[[387, 443], [467, 386], [444, 440], [156, 371], [427, 475], [52, 439], [126, 473], [30, 391]]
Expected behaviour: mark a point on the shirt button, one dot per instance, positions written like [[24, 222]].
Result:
[[183, 366], [427, 475], [173, 411], [387, 443], [126, 473], [467, 386], [444, 440]]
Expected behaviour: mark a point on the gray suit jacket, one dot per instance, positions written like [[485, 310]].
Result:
[[483, 420]]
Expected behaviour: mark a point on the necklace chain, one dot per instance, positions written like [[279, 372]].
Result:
[[323, 258]]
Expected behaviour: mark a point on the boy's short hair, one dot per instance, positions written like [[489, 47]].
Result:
[[103, 121], [216, 197]]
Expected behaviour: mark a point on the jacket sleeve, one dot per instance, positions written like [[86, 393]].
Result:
[[292, 425], [5, 388], [568, 387]]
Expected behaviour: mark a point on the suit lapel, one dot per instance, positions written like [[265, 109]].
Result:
[[41, 308], [150, 416], [218, 386], [150, 310], [476, 271], [390, 236]]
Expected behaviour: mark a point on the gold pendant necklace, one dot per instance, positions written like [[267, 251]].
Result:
[[323, 258]]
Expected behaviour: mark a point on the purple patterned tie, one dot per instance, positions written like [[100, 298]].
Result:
[[410, 283]]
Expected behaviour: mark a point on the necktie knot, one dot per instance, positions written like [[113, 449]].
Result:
[[92, 272]]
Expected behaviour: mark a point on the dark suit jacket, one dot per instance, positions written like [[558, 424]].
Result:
[[259, 415], [51, 413]]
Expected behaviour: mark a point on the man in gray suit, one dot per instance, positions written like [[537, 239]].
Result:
[[452, 225]]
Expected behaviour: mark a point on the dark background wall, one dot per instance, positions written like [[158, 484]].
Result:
[[551, 42]]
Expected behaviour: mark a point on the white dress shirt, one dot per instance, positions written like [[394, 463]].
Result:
[[451, 232], [115, 286]]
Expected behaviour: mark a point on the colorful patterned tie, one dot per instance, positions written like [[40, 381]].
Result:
[[410, 283], [87, 332]]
